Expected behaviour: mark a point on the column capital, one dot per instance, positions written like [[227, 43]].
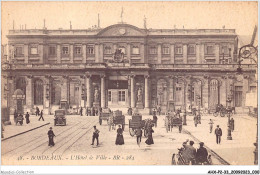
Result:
[[102, 76], [205, 76], [82, 76], [65, 76], [29, 76], [224, 77], [146, 76], [48, 76], [132, 76]]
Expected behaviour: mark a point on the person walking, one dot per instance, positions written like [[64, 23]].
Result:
[[37, 113], [139, 134], [27, 115], [119, 137], [210, 125], [232, 123], [218, 133], [80, 111], [95, 135], [149, 140], [155, 120], [195, 120], [41, 116], [51, 135], [159, 110], [180, 126]]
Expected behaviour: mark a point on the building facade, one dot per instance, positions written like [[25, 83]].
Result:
[[123, 66]]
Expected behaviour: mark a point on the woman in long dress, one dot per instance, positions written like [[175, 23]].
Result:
[[149, 140], [119, 137]]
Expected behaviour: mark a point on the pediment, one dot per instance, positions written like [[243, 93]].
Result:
[[121, 30]]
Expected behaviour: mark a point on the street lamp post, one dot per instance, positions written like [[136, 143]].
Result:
[[229, 136]]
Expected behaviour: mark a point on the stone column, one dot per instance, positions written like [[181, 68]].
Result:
[[65, 89], [205, 92], [71, 53], [96, 53], [103, 91], [88, 90], [198, 59], [172, 53], [26, 53], [147, 91], [128, 52], [11, 82], [84, 53], [185, 53], [101, 55], [132, 91], [46, 95], [159, 54], [217, 53], [171, 80], [223, 90], [41, 53], [142, 52], [58, 53], [232, 52], [202, 53], [29, 94]]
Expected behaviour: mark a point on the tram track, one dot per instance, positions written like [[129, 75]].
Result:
[[36, 140]]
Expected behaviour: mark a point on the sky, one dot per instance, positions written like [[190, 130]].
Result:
[[241, 16]]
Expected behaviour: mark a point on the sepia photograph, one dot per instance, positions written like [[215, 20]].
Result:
[[129, 83]]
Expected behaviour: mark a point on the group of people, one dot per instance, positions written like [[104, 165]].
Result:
[[91, 111], [157, 110], [193, 156], [18, 118]]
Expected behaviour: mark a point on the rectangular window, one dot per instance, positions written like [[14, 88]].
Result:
[[109, 96], [135, 50], [90, 50], [77, 50], [153, 50], [121, 95], [52, 50], [191, 49], [210, 50], [108, 50], [19, 51], [224, 50], [178, 49], [65, 50], [238, 96], [34, 50], [166, 50]]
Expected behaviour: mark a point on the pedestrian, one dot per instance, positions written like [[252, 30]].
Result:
[[15, 116], [41, 116], [210, 125], [202, 154], [189, 153], [27, 118], [218, 133], [180, 126], [80, 111], [155, 120], [154, 111], [159, 110], [139, 134], [51, 135], [95, 135], [37, 113], [232, 123], [92, 111], [149, 140], [119, 136], [195, 120]]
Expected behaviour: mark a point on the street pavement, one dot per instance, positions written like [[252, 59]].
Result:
[[72, 143]]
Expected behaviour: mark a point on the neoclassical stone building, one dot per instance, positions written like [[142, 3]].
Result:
[[123, 66]]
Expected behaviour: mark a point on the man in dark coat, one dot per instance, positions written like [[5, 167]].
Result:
[[27, 115], [41, 116], [139, 134], [218, 133], [189, 153], [232, 123], [95, 135], [51, 135], [37, 113], [202, 154], [155, 120], [80, 111]]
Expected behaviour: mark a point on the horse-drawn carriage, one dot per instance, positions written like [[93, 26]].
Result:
[[106, 115], [59, 117], [137, 123], [172, 119], [116, 119]]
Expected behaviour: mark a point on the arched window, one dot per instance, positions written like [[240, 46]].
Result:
[[38, 92], [55, 94]]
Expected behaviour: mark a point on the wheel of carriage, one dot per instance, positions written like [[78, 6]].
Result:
[[222, 113], [131, 132], [215, 114]]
